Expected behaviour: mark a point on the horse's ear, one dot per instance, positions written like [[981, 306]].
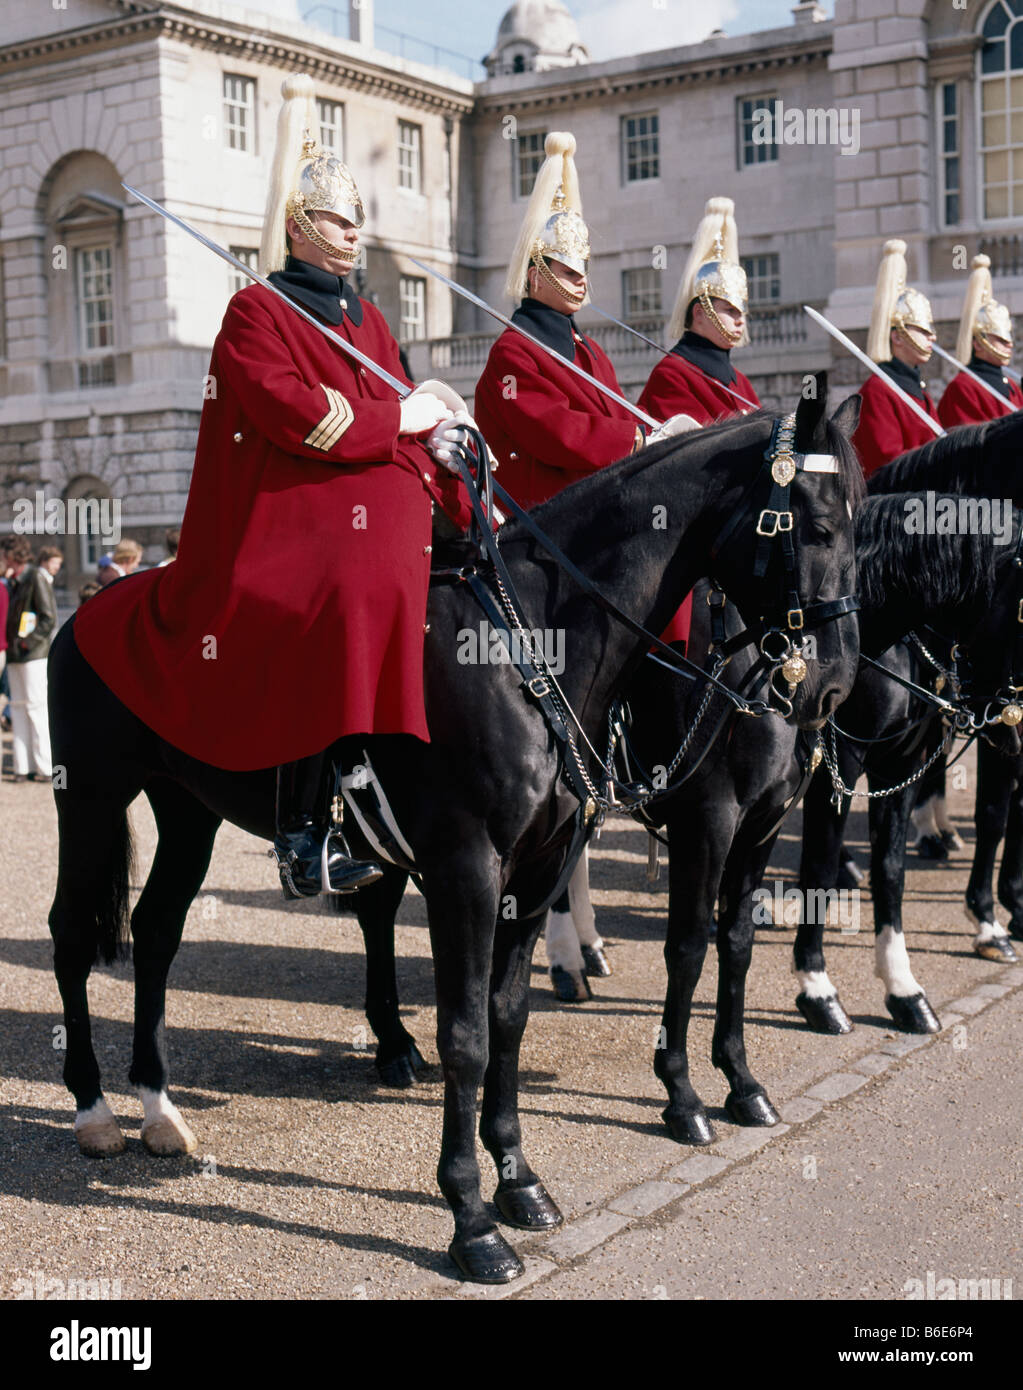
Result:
[[847, 416], [811, 413]]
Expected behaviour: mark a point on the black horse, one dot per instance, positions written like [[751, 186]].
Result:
[[998, 812], [484, 805], [964, 586]]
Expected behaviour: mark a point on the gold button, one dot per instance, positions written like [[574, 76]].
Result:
[[513, 456], [426, 627], [362, 370], [237, 439], [427, 478], [427, 549]]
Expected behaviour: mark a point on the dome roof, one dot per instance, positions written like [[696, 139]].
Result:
[[545, 23], [536, 35]]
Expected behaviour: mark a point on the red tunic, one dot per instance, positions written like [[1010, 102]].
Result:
[[676, 387], [294, 613], [548, 427], [965, 402], [887, 427]]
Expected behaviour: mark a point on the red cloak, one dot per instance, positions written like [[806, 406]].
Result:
[[887, 426], [676, 387], [965, 402], [294, 613]]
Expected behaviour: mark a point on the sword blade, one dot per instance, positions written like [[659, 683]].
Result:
[[861, 356], [1002, 400], [503, 318], [349, 348], [667, 352]]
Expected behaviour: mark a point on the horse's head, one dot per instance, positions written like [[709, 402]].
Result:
[[786, 556]]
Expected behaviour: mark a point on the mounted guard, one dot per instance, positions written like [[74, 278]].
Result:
[[900, 341], [984, 346], [709, 320], [295, 612]]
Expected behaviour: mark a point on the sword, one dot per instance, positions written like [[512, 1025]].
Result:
[[978, 379], [840, 337], [502, 318], [667, 352], [345, 346]]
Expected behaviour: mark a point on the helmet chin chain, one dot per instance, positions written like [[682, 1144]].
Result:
[[341, 253], [907, 337], [731, 335], [1003, 354], [574, 297]]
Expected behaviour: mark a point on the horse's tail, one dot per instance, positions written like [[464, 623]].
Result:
[[113, 918]]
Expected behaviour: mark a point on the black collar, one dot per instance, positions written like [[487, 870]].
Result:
[[991, 373], [905, 376], [713, 361], [553, 328], [328, 296]]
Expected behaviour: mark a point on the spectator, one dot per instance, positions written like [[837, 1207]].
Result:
[[90, 587], [124, 560], [50, 559], [6, 586], [171, 539], [30, 624]]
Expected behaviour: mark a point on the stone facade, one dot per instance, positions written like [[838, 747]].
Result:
[[110, 90]]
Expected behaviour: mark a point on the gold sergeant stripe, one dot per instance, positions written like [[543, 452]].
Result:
[[333, 425]]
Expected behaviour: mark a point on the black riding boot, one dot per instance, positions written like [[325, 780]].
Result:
[[304, 839]]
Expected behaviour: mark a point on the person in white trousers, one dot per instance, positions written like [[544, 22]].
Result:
[[30, 625]]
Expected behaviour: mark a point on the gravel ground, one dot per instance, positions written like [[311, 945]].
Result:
[[313, 1181]]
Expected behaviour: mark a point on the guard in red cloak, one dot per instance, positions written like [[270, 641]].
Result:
[[899, 341], [985, 345], [295, 612], [709, 319]]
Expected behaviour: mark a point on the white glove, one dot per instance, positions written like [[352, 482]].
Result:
[[446, 436], [678, 424], [420, 412]]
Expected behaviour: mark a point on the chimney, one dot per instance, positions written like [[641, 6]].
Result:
[[808, 12], [360, 22]]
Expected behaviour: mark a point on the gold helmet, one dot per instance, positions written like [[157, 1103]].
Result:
[[896, 305], [983, 318], [553, 228], [305, 178], [713, 272]]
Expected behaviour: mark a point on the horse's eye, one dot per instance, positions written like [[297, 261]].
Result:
[[822, 535]]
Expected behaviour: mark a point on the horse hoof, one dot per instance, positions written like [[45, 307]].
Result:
[[751, 1110], [951, 839], [167, 1138], [403, 1071], [530, 1208], [996, 948], [486, 1259], [100, 1139], [570, 986], [824, 1015], [688, 1126], [931, 847], [595, 962], [912, 1014]]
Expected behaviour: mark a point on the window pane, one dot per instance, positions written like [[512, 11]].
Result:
[[1016, 46], [994, 131], [950, 137], [993, 57], [993, 94], [951, 174], [952, 209], [994, 25], [996, 167], [996, 202], [948, 96]]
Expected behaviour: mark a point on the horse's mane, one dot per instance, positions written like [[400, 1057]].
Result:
[[960, 461], [939, 569], [578, 497]]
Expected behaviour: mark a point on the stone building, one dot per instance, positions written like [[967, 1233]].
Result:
[[107, 314]]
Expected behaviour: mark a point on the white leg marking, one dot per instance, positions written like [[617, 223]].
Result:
[[97, 1130], [815, 984], [923, 817], [164, 1131], [583, 916], [891, 964], [562, 942], [989, 931]]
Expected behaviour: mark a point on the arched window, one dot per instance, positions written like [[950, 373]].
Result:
[[1001, 111], [88, 525]]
